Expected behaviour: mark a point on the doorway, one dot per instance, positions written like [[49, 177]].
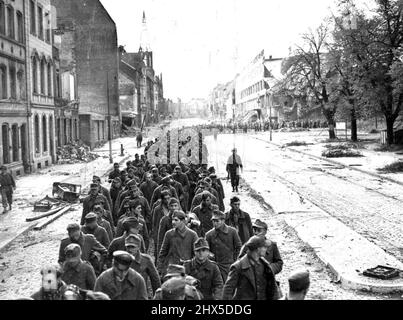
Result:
[[24, 153], [6, 144], [15, 143]]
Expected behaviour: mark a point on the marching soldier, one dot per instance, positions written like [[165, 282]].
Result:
[[93, 198], [77, 271], [204, 213], [142, 263], [272, 254], [91, 227], [178, 243], [206, 271], [239, 219], [121, 282], [224, 243], [7, 186], [251, 277]]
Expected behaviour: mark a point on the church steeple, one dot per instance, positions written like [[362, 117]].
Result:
[[144, 39]]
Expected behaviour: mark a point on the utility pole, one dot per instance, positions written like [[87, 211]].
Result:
[[109, 119]]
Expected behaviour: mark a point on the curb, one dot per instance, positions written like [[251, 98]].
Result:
[[331, 161], [19, 233]]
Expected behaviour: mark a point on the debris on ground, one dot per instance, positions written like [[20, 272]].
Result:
[[75, 153], [341, 151]]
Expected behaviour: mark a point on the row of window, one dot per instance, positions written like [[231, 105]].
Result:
[[11, 83], [41, 76], [37, 21], [8, 25], [252, 89]]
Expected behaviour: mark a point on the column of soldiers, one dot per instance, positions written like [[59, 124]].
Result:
[[161, 232]]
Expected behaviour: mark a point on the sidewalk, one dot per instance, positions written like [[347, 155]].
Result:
[[31, 188], [315, 139]]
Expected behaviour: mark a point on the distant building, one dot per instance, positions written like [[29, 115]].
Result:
[[95, 53], [66, 95]]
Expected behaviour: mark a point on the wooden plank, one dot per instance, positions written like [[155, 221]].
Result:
[[49, 221], [46, 214]]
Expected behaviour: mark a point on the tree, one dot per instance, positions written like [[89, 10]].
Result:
[[372, 49], [307, 73]]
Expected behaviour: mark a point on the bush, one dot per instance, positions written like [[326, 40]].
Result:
[[296, 144], [395, 167]]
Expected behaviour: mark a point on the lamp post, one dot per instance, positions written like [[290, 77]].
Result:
[[109, 119]]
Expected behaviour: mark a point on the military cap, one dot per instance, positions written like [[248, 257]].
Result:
[[116, 164], [173, 289], [117, 179], [175, 270], [201, 243], [133, 203], [131, 183], [97, 208], [172, 201], [132, 240], [123, 257], [166, 179], [179, 214], [213, 176], [73, 227], [211, 169], [154, 169], [94, 186], [90, 217], [255, 242], [218, 215], [74, 250], [130, 222], [178, 168], [299, 280], [260, 224], [96, 178]]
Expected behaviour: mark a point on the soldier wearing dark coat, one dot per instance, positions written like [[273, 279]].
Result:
[[217, 186], [159, 212], [224, 243], [110, 230], [134, 210], [251, 277], [91, 227], [206, 271], [178, 243], [142, 263], [165, 183], [93, 198], [272, 254], [7, 186], [155, 175], [115, 173], [239, 220], [182, 178], [166, 223], [148, 187], [92, 250], [102, 190], [204, 213], [114, 191], [130, 226], [76, 271], [121, 282], [145, 208], [198, 199]]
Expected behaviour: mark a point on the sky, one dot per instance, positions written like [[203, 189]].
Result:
[[198, 44]]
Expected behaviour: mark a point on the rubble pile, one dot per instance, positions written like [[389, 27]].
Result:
[[341, 151], [75, 153]]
